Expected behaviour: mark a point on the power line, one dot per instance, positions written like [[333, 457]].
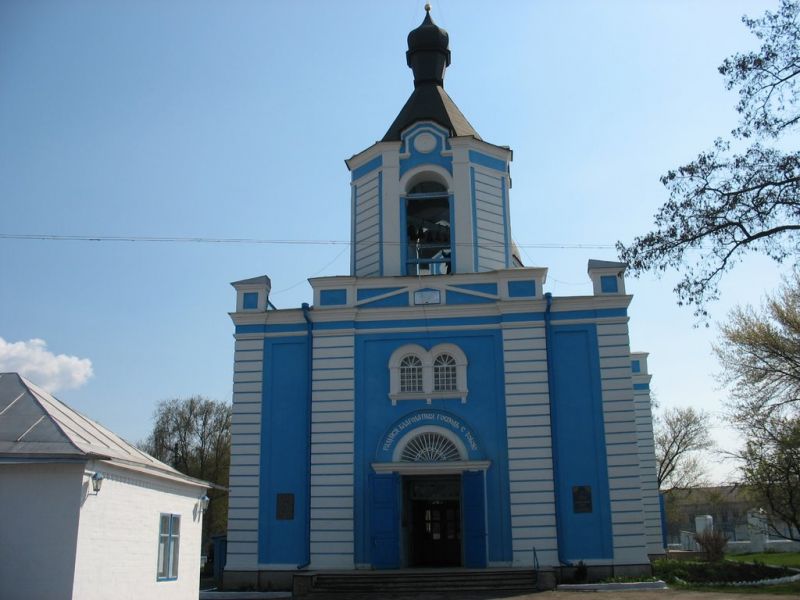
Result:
[[218, 240]]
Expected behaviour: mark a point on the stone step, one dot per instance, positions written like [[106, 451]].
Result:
[[410, 582]]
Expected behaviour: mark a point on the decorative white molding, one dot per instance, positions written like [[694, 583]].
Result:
[[427, 358], [408, 438], [440, 468], [426, 172]]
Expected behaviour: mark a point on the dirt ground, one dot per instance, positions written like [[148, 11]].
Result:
[[610, 595], [645, 595], [589, 595]]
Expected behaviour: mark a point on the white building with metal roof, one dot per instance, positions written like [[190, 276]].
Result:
[[84, 513]]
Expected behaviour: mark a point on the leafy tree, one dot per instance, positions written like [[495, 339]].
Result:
[[760, 355], [193, 435], [728, 203], [770, 466], [681, 434]]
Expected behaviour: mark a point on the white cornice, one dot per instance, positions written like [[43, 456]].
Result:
[[432, 468], [365, 155], [589, 302], [501, 152], [433, 281], [273, 317], [432, 311]]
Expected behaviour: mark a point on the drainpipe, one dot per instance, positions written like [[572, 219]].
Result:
[[548, 340], [310, 344]]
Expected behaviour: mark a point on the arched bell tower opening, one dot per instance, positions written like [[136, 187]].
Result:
[[428, 220]]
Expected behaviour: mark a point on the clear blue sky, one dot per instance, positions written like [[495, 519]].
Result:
[[232, 120]]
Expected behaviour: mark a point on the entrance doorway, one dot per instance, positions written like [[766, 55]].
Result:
[[432, 520]]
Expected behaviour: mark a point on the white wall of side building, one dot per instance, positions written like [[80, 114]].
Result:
[[39, 507], [118, 536]]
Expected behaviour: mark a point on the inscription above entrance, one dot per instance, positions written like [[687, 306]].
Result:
[[443, 423]]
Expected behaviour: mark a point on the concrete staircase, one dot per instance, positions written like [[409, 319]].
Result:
[[418, 583]]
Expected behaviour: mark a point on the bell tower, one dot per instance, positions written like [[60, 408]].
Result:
[[430, 198]]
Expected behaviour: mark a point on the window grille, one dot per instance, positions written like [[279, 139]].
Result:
[[430, 447], [411, 374], [444, 373]]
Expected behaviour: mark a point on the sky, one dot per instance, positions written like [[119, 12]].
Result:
[[232, 120]]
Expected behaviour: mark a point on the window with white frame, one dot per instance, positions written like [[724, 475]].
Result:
[[420, 374], [169, 536], [411, 374], [444, 373]]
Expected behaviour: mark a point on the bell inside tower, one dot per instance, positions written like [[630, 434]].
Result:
[[428, 249]]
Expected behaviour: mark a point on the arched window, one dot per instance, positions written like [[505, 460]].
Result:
[[430, 446], [410, 374], [428, 250], [444, 373], [419, 374]]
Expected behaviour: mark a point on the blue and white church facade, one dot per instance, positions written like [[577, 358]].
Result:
[[437, 407]]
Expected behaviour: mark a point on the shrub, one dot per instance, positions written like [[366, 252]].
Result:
[[712, 542], [719, 572]]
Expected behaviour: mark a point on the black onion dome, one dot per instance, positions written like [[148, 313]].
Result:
[[428, 56], [428, 51]]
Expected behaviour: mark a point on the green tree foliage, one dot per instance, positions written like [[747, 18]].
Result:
[[760, 355], [193, 435], [681, 435], [771, 470], [727, 203]]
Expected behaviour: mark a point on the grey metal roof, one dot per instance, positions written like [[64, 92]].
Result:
[[431, 102], [35, 424]]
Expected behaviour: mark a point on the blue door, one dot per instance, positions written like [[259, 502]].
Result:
[[384, 520], [473, 507]]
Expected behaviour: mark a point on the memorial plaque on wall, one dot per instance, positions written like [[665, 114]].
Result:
[[284, 510], [582, 498]]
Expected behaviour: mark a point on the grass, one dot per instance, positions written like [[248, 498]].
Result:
[[694, 572], [787, 589], [743, 567], [784, 559], [642, 579]]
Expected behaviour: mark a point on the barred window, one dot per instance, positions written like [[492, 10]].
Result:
[[444, 373], [411, 374]]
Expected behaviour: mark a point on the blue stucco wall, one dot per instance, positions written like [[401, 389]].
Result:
[[284, 450], [579, 452], [484, 413]]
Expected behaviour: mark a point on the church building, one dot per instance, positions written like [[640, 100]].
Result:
[[437, 407]]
